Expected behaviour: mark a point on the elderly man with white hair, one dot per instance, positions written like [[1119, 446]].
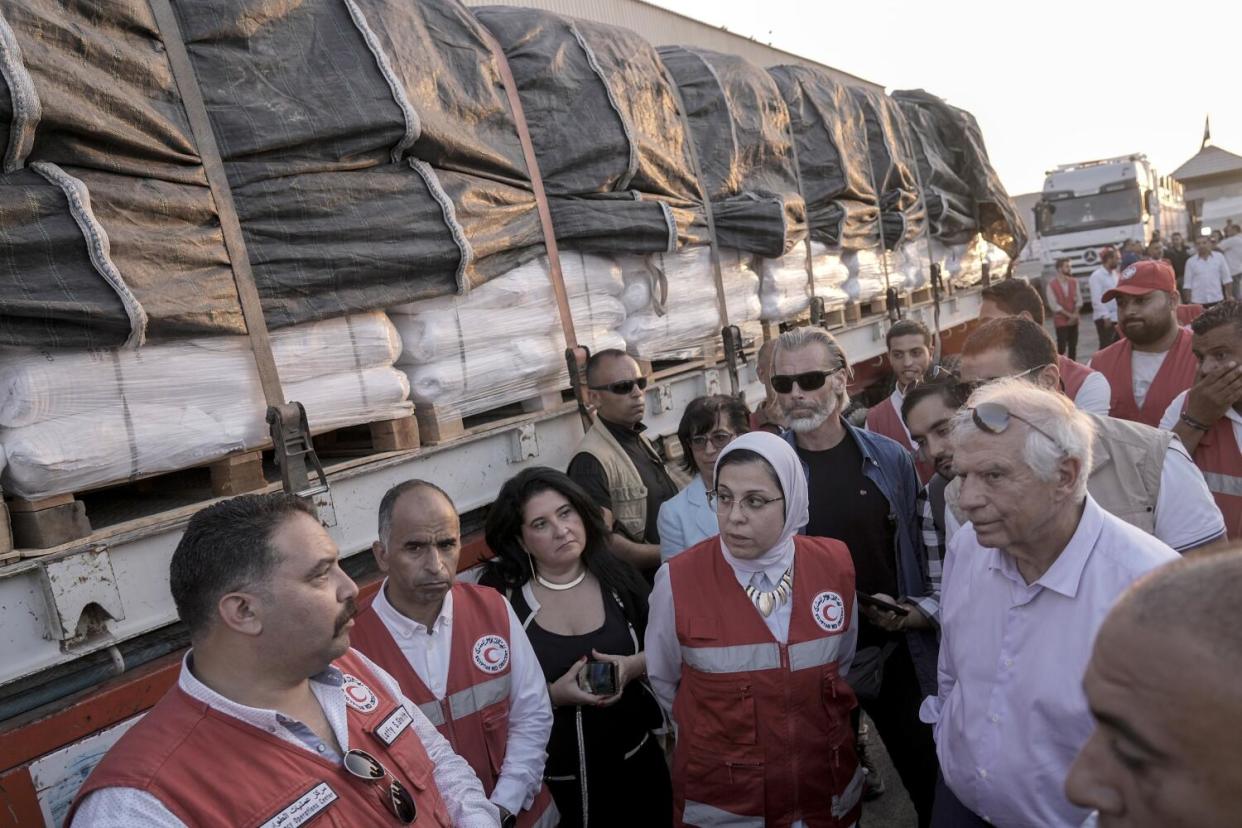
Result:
[[1027, 583]]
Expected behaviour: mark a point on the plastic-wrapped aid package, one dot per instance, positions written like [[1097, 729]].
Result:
[[503, 341], [909, 266], [962, 264], [671, 302], [868, 277], [73, 420], [783, 288]]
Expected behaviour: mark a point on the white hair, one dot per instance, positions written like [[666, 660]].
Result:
[[796, 339], [1068, 431]]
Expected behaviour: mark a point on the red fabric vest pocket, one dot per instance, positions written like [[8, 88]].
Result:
[[496, 736], [725, 713], [736, 786]]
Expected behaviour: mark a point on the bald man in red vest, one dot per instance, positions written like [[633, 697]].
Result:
[[459, 653], [1153, 362], [274, 720], [1013, 297]]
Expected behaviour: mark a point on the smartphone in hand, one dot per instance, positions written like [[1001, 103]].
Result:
[[880, 603], [598, 678]]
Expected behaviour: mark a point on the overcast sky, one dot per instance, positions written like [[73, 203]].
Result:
[[1051, 82]]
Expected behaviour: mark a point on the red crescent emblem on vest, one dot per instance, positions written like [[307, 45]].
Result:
[[358, 695], [491, 654], [828, 610]]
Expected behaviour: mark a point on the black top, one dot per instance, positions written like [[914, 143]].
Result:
[[588, 473], [610, 732], [847, 506]]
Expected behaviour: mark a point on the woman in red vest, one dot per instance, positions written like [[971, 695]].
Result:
[[749, 634], [579, 603]]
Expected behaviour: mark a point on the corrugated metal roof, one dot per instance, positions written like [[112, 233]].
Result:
[[660, 27], [1209, 161]]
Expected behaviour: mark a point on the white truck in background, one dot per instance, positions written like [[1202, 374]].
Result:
[[1089, 204]]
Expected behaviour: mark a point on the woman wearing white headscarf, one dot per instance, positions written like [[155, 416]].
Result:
[[749, 638]]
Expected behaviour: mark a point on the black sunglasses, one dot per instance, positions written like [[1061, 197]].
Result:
[[994, 419], [622, 386], [807, 381], [369, 769]]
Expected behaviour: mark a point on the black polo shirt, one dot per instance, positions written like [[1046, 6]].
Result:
[[588, 473]]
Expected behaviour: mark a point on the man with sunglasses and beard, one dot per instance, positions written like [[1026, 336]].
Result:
[[1141, 474], [1154, 361], [274, 720], [616, 465], [1028, 581], [862, 489]]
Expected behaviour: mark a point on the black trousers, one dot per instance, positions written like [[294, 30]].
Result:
[[951, 813], [909, 741], [1106, 331], [1067, 341]]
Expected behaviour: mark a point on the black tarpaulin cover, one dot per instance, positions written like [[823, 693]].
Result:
[[964, 153], [368, 143], [828, 128], [603, 119], [891, 150], [741, 130]]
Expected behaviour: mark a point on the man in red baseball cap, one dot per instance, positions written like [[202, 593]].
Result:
[[1153, 362]]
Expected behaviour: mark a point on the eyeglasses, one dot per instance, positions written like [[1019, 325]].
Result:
[[396, 798], [967, 387], [994, 419], [718, 439], [723, 502], [807, 381], [621, 387]]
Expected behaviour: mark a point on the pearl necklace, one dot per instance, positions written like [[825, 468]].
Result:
[[546, 584]]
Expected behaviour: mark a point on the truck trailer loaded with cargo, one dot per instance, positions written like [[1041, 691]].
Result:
[[333, 246]]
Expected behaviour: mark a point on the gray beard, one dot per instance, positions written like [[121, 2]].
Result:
[[803, 424]]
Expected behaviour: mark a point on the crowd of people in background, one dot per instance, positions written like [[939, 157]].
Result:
[[1013, 564]]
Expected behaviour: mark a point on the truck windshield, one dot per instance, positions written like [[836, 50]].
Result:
[[1069, 215]]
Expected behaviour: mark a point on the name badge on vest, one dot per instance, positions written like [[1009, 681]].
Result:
[[491, 654], [303, 809], [828, 610], [358, 695], [394, 725]]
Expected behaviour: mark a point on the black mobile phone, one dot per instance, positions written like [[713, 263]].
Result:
[[598, 678], [880, 603]]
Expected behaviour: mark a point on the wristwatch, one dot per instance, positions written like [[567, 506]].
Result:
[[507, 820]]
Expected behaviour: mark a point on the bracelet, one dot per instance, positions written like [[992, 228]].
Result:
[[1193, 423]]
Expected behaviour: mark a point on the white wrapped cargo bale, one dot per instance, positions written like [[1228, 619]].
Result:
[[671, 300], [93, 418], [503, 342], [784, 292], [962, 264]]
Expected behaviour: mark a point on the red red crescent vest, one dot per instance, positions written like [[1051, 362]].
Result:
[[1073, 375], [209, 768], [1176, 374], [1218, 457], [884, 418], [1188, 313], [474, 714], [1065, 315], [763, 728]]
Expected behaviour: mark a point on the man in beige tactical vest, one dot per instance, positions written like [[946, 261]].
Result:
[[616, 465], [1140, 474]]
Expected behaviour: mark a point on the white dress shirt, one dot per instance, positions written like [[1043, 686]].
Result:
[[1205, 278], [1102, 280], [530, 710], [1231, 249], [1186, 513], [460, 788], [1010, 715], [1094, 395]]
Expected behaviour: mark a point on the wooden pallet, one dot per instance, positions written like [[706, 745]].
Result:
[[51, 521], [857, 311], [920, 296], [438, 425]]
